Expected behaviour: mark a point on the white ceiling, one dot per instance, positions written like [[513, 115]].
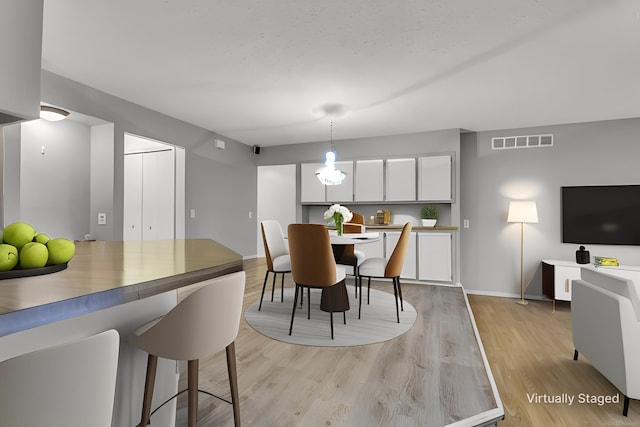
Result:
[[255, 70]]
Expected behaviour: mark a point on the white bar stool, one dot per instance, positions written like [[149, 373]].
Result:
[[203, 323], [67, 385]]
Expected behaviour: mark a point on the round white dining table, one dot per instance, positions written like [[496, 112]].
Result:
[[353, 238]]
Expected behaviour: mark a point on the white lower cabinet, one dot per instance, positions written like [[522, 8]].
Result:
[[562, 281], [434, 256], [409, 269]]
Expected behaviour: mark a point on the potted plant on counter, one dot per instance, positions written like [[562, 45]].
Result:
[[429, 215]]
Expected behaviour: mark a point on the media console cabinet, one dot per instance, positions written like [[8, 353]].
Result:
[[558, 274]]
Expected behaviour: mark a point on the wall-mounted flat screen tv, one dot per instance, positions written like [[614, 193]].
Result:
[[605, 215]]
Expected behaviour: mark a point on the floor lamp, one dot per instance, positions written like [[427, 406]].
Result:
[[522, 211]]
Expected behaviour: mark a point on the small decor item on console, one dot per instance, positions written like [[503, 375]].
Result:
[[605, 261], [582, 256]]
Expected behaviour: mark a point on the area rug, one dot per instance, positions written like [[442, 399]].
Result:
[[378, 322]]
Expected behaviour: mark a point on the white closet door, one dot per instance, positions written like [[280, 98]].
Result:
[[158, 195], [132, 227]]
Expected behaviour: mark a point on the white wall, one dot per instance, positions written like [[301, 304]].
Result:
[[276, 198], [101, 180], [220, 184], [597, 153], [55, 177]]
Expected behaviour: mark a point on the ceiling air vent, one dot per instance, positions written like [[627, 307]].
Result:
[[524, 141]]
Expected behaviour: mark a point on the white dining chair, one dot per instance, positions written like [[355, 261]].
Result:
[[70, 385], [276, 250], [383, 268]]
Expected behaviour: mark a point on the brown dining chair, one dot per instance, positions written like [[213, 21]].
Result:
[[276, 251], [383, 268], [313, 266], [203, 323]]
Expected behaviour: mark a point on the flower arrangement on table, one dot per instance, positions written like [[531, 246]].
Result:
[[339, 214]]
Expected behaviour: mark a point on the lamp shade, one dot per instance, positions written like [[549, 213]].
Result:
[[522, 211]]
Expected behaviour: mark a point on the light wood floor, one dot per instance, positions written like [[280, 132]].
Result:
[[430, 376], [529, 350]]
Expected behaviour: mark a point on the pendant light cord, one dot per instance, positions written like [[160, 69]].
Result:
[[331, 135]]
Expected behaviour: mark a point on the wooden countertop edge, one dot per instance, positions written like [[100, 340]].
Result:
[[47, 313]]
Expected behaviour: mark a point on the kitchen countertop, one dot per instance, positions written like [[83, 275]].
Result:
[[381, 227]]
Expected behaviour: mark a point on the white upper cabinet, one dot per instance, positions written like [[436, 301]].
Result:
[[344, 191], [311, 189], [401, 180], [369, 181], [434, 178], [21, 52]]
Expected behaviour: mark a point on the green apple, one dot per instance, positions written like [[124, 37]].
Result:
[[41, 238], [18, 234], [33, 255], [60, 250], [8, 257]]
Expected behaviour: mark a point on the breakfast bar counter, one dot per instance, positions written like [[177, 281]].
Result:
[[111, 285], [107, 273]]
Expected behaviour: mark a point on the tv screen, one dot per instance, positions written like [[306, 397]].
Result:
[[605, 215]]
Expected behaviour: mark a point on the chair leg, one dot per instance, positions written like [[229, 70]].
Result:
[[395, 294], [192, 372], [282, 289], [308, 303], [575, 354], [233, 382], [152, 364], [400, 295], [625, 407], [359, 285], [331, 318], [273, 285], [264, 285], [368, 291], [295, 302]]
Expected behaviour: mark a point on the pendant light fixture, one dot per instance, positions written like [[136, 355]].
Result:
[[328, 174]]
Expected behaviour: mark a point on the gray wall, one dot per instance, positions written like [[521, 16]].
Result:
[[55, 186], [220, 184], [597, 153]]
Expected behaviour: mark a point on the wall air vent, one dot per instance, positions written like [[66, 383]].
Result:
[[524, 141]]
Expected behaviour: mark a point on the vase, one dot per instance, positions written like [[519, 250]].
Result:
[[339, 226]]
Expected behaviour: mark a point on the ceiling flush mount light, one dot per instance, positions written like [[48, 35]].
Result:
[[52, 114], [328, 174]]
